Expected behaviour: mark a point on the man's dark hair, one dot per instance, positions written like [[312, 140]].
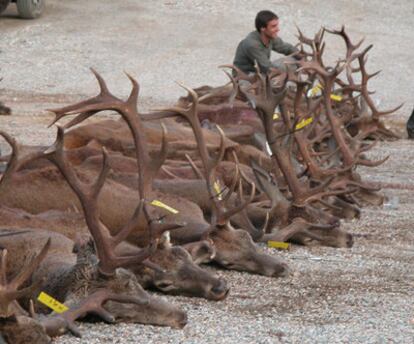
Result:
[[263, 17]]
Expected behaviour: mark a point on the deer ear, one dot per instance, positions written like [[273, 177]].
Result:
[[81, 241], [164, 241], [201, 251]]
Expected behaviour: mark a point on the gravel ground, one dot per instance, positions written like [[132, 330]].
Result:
[[360, 295]]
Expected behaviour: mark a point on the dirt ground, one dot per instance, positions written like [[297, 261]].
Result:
[[360, 295]]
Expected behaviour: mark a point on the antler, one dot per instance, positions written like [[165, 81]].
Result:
[[220, 212], [59, 323], [88, 193], [128, 111]]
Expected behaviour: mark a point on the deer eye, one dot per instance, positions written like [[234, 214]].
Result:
[[165, 285]]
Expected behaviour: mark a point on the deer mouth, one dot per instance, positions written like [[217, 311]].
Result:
[[219, 291], [181, 322]]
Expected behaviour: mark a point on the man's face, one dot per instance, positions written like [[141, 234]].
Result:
[[272, 29]]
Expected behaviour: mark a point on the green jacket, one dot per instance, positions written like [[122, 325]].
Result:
[[252, 49]]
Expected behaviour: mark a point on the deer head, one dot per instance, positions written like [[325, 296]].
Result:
[[234, 248]]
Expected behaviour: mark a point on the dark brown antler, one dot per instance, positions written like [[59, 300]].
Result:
[[128, 111], [88, 193], [370, 124], [59, 323], [220, 211], [266, 102]]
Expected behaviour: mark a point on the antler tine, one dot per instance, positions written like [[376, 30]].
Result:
[[78, 119], [254, 232], [157, 161], [225, 215], [235, 90], [15, 163], [191, 115], [102, 84], [133, 96], [321, 33], [336, 192], [364, 88], [3, 267], [157, 228], [229, 213], [55, 154], [234, 181], [350, 47], [329, 205], [313, 66], [196, 170], [239, 73], [106, 168], [104, 94], [222, 147], [302, 38], [265, 184], [370, 163], [169, 173], [126, 229]]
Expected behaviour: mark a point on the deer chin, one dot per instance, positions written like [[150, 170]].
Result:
[[333, 238], [215, 292]]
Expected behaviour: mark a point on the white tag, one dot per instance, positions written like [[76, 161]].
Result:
[[269, 151]]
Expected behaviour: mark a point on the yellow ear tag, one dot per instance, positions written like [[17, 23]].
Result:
[[278, 244], [276, 116], [50, 302], [303, 123], [315, 91], [164, 206], [336, 97], [217, 188]]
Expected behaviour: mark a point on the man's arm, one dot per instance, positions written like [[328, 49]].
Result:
[[282, 47]]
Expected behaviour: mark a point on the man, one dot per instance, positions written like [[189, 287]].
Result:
[[258, 45]]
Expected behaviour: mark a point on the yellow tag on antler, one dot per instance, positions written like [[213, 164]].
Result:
[[278, 244], [317, 91], [314, 91], [276, 116], [164, 206], [50, 302], [217, 188], [336, 97], [303, 123]]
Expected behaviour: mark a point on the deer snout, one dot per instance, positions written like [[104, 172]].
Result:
[[349, 240], [282, 270], [181, 320], [270, 266], [219, 291]]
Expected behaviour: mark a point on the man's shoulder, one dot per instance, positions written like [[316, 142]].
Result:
[[252, 40]]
